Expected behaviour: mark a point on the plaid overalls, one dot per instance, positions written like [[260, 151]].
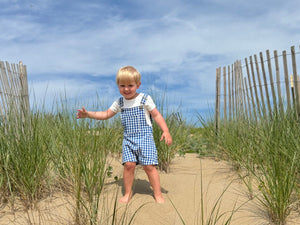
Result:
[[138, 143]]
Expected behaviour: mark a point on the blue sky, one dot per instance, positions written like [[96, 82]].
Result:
[[76, 47]]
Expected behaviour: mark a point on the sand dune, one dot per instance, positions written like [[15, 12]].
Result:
[[181, 188]]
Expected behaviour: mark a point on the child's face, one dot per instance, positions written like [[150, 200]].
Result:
[[128, 89]]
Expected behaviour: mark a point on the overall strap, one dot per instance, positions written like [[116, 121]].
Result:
[[121, 102], [144, 99]]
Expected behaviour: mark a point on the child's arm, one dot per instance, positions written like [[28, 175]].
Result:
[[158, 118], [100, 115]]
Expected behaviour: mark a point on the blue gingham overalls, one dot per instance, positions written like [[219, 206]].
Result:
[[138, 143]]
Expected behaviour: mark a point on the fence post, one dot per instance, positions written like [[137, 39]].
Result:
[[24, 88]]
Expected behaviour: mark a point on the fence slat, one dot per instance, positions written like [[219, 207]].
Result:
[[297, 104], [255, 87], [245, 108], [265, 83], [250, 88], [236, 94], [6, 88], [229, 93], [248, 100], [286, 79], [225, 95], [281, 110], [232, 92], [2, 92], [260, 87], [241, 87], [14, 98], [271, 81], [243, 98], [218, 83]]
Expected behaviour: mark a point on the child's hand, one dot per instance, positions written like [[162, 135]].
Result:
[[167, 137], [82, 113]]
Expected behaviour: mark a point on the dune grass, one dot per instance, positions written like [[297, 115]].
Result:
[[25, 162], [179, 131], [269, 152], [53, 151]]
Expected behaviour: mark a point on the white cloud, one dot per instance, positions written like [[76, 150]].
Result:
[[177, 44], [79, 90]]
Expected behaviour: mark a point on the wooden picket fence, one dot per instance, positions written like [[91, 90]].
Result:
[[258, 88], [14, 97]]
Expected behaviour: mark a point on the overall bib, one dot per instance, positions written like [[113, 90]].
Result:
[[138, 143]]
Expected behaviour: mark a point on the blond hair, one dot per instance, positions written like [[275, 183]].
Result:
[[128, 73]]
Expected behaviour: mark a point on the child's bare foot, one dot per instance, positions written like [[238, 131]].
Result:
[[159, 199], [125, 199]]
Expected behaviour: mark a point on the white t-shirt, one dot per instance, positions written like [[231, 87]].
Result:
[[149, 105]]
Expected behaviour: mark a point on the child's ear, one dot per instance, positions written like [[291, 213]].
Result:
[[139, 84]]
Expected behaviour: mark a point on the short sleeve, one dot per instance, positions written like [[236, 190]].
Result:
[[149, 104], [115, 107]]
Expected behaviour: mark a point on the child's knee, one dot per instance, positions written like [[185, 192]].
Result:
[[149, 168], [129, 166]]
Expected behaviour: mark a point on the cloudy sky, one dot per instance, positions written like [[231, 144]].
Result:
[[76, 47]]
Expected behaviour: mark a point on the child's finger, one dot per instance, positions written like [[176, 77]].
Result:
[[81, 112], [167, 140], [162, 138]]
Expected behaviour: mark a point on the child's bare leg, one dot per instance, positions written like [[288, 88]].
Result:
[[128, 177], [153, 177]]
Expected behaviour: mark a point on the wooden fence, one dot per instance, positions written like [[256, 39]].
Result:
[[258, 87], [14, 98]]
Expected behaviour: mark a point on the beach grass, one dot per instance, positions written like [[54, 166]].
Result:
[[267, 154], [51, 150]]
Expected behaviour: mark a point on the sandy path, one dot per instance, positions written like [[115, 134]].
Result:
[[182, 186]]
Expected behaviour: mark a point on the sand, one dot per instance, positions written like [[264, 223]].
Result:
[[181, 189]]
